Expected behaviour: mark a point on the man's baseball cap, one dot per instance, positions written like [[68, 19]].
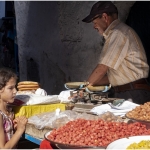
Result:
[[99, 8]]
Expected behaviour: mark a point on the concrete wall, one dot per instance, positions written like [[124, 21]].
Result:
[[55, 46]]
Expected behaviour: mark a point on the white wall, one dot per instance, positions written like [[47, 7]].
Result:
[[55, 46]]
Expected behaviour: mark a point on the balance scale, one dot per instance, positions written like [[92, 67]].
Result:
[[85, 101]]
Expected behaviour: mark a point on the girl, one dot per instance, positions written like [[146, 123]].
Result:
[[9, 139]]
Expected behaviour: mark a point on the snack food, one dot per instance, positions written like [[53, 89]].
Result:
[[28, 86], [144, 144], [28, 83], [95, 133], [27, 89], [141, 112]]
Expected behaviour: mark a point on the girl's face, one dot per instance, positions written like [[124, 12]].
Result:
[[9, 91]]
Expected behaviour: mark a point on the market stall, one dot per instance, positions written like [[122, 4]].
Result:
[[92, 120]]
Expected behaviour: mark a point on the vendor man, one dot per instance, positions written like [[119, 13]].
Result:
[[123, 62]]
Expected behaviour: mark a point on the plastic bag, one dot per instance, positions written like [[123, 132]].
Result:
[[57, 119], [109, 116], [52, 119]]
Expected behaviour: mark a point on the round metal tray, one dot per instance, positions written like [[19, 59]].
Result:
[[90, 88], [74, 85], [68, 146]]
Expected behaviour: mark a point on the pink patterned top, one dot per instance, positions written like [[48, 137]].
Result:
[[8, 126]]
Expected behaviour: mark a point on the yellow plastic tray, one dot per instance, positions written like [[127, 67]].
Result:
[[32, 110]]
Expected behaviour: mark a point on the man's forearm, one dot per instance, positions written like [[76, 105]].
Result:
[[98, 76]]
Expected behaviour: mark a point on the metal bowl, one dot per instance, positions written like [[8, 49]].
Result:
[[68, 146], [74, 85], [90, 88]]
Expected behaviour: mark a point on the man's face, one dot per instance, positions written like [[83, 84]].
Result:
[[100, 24]]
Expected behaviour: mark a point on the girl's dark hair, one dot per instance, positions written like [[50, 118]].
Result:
[[5, 76]]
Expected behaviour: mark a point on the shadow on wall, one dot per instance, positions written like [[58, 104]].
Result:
[[32, 70]]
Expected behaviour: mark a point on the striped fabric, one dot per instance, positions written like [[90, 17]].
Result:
[[124, 54]]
